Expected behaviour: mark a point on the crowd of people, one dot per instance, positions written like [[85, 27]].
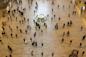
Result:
[[23, 28]]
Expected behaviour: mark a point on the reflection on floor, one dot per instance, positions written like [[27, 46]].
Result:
[[62, 34]]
